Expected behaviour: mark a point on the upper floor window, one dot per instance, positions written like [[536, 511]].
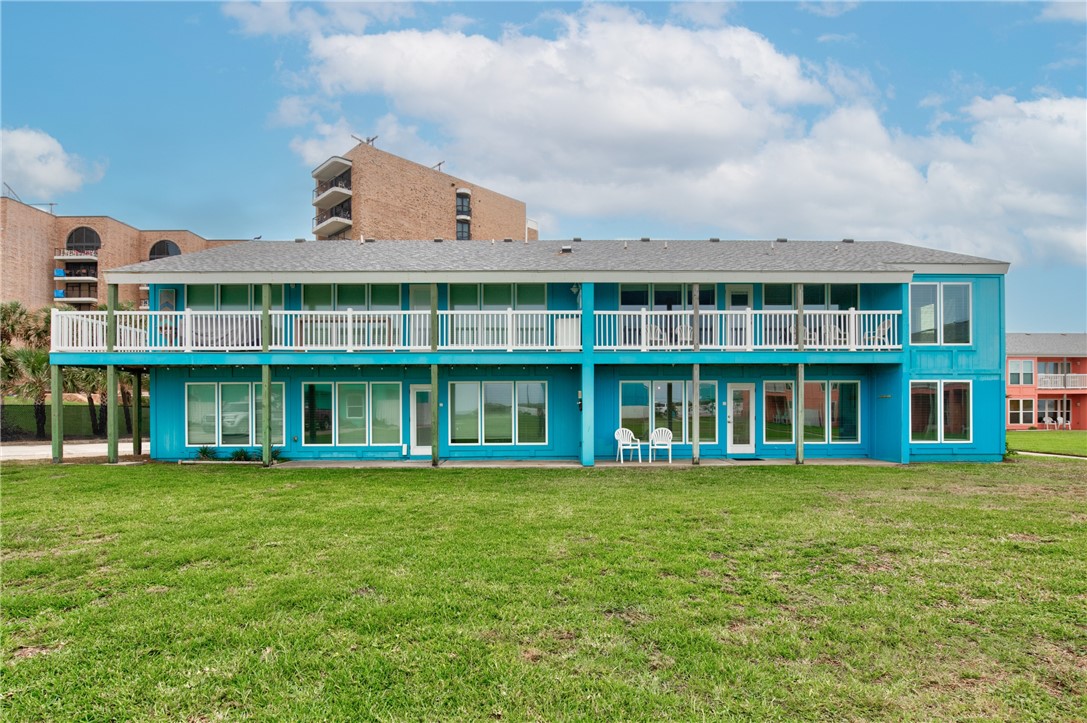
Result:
[[83, 239], [464, 231], [940, 313], [163, 249], [496, 297], [778, 297], [464, 205], [665, 297], [359, 297], [831, 297], [941, 411], [1053, 367], [1020, 371], [230, 297]]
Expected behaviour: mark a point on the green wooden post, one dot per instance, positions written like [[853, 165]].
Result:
[[111, 414], [111, 375], [266, 375], [435, 438], [696, 378], [57, 390], [137, 413], [266, 414], [798, 406], [435, 416]]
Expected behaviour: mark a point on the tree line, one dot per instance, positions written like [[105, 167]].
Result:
[[24, 369]]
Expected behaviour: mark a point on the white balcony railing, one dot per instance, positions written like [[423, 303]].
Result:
[[1062, 381], [748, 330], [348, 330]]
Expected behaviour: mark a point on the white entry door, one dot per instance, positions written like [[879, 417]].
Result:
[[737, 298], [741, 418], [422, 419]]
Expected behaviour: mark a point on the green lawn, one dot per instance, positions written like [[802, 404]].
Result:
[[756, 593], [1052, 441]]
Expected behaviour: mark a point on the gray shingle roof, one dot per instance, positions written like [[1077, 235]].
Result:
[[544, 256], [1070, 345]]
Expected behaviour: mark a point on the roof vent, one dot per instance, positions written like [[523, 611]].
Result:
[[783, 240], [300, 240], [715, 240], [645, 239], [507, 240], [566, 250], [577, 239], [847, 240], [437, 240]]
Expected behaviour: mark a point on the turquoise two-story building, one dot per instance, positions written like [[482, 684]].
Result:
[[475, 350]]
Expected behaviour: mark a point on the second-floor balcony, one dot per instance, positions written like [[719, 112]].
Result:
[[331, 192], [1062, 381], [332, 221], [191, 331], [748, 330], [507, 330]]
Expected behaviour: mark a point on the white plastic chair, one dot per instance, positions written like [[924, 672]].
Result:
[[625, 440], [1062, 423], [684, 335], [660, 438], [1048, 421], [881, 336]]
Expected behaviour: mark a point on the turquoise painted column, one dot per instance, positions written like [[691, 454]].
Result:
[[137, 413], [587, 402], [907, 364], [57, 392]]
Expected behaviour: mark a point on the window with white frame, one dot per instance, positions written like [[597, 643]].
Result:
[[498, 412], [1020, 371], [358, 297], [1054, 367], [941, 411], [831, 414], [940, 313], [1053, 408], [230, 297], [228, 414], [666, 297], [351, 414], [648, 405], [1020, 411]]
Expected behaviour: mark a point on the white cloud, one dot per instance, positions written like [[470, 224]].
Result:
[[37, 166], [709, 127], [850, 38], [294, 110], [829, 8], [707, 14], [1075, 11]]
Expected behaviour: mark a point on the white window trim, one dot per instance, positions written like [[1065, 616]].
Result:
[[370, 413], [219, 413], [302, 411], [483, 416], [860, 411], [252, 296], [481, 432], [336, 415], [939, 313], [685, 437], [792, 384], [1022, 400], [685, 290], [366, 304], [335, 421], [252, 415], [1017, 366], [940, 411], [687, 434], [215, 385]]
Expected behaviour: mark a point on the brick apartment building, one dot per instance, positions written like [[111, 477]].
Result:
[[369, 193], [49, 259]]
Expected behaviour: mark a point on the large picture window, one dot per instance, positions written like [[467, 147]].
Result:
[[1050, 409], [777, 412], [845, 411], [228, 414], [648, 405], [507, 411], [351, 414], [940, 313], [230, 297], [941, 411], [1020, 411]]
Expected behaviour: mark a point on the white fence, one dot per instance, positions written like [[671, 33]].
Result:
[[1062, 381], [85, 331], [747, 330]]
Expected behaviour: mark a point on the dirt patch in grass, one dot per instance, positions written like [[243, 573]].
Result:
[[532, 655], [32, 651], [630, 616]]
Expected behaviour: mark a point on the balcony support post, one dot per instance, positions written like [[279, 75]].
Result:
[[435, 416], [696, 374], [137, 413], [798, 414], [509, 329], [111, 413], [57, 401], [266, 414], [800, 332], [434, 332], [645, 329], [587, 400], [851, 330], [111, 317], [749, 327], [265, 316]]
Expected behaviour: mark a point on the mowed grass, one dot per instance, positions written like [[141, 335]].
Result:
[[759, 593], [1052, 441]]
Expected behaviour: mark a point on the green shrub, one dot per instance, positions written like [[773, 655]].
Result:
[[205, 452], [239, 455]]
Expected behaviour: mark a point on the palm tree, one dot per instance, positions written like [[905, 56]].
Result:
[[12, 320], [30, 379], [36, 328]]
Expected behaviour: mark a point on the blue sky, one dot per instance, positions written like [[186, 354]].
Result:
[[960, 126]]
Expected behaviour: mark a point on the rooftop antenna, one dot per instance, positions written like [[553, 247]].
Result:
[[9, 191], [438, 166]]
